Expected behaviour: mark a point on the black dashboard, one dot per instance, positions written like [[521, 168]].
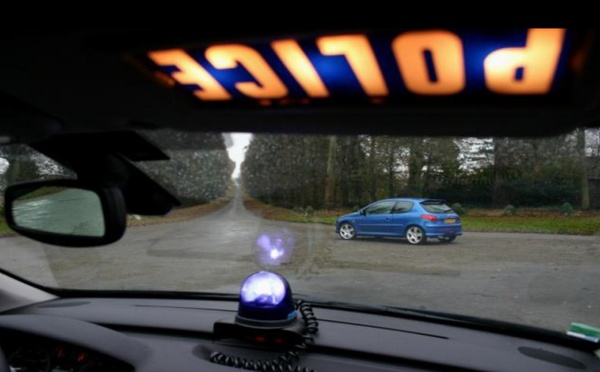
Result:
[[27, 353], [117, 334]]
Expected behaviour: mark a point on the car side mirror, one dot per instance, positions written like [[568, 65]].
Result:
[[363, 212], [66, 212]]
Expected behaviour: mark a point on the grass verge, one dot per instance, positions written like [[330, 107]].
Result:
[[178, 215], [4, 229], [271, 212], [484, 221], [577, 225], [183, 214]]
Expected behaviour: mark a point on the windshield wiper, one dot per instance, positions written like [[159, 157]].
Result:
[[128, 293]]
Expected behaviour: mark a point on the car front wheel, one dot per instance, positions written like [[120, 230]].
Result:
[[347, 231], [415, 235]]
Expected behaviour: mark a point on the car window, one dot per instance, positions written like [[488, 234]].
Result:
[[436, 207], [403, 207], [385, 207]]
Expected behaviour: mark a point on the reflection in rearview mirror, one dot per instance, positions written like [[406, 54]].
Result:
[[60, 210]]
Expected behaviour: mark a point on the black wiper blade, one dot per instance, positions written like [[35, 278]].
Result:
[[75, 293]]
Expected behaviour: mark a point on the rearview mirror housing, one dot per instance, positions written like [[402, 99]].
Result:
[[66, 212]]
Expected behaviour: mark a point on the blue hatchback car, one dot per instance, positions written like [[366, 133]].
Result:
[[410, 218]]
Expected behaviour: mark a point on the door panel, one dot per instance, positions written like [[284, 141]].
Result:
[[401, 216], [377, 219]]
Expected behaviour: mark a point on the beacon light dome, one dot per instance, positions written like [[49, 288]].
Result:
[[266, 301]]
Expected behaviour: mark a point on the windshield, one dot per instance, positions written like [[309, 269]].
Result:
[[512, 236]]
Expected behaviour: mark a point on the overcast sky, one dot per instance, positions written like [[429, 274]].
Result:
[[238, 149]]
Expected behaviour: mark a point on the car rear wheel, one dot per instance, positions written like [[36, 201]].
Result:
[[347, 231], [415, 235], [447, 239]]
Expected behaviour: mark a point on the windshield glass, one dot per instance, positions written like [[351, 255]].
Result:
[[515, 237]]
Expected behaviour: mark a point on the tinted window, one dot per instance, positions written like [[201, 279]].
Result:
[[433, 207], [403, 207], [381, 208]]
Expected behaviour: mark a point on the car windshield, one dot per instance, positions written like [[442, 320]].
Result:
[[518, 240]]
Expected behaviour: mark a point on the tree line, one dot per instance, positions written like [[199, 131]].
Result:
[[350, 171], [199, 169]]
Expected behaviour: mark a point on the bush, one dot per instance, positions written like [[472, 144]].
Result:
[[459, 209], [510, 210], [298, 210], [566, 209], [309, 211]]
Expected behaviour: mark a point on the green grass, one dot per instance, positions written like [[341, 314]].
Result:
[[271, 212], [579, 225], [179, 214], [4, 229], [535, 221]]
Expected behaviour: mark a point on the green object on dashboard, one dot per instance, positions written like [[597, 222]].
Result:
[[584, 331]]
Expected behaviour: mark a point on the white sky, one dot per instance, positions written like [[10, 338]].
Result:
[[237, 151]]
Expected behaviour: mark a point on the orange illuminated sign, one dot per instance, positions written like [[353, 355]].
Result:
[[418, 63]]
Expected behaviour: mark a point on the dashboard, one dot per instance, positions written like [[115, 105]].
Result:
[[39, 354], [128, 334]]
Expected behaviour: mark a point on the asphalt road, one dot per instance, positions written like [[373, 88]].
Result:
[[536, 279]]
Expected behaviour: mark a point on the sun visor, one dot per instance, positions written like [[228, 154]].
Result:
[[23, 123], [438, 80], [105, 159]]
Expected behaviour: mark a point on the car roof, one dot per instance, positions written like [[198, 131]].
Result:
[[86, 80]]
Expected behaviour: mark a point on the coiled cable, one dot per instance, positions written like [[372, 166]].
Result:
[[284, 362]]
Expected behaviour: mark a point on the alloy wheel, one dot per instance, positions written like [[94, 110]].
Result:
[[415, 235], [347, 231]]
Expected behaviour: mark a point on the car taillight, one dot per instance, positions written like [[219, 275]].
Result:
[[429, 217]]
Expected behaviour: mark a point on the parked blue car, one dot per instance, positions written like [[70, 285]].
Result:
[[410, 218]]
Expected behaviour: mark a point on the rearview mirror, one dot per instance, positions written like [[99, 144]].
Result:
[[66, 212]]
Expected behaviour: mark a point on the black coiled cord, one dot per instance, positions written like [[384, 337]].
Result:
[[284, 362]]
